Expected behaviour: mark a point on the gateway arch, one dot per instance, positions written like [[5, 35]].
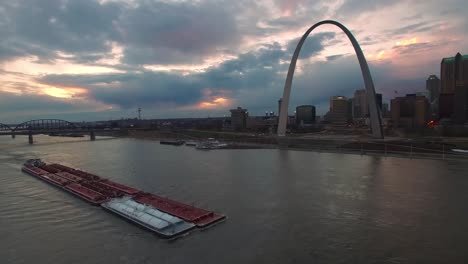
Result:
[[375, 116]]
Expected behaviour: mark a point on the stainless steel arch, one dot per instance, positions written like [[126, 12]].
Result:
[[375, 116]]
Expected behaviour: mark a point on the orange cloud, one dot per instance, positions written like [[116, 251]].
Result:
[[407, 42], [214, 103], [63, 92]]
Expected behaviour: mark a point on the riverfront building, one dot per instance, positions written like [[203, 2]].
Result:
[[339, 111], [305, 115], [239, 118], [411, 111]]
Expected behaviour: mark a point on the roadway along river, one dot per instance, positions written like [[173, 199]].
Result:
[[282, 206]]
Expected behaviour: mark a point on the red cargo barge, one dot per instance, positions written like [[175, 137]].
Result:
[[45, 176], [109, 194], [200, 217], [87, 194]]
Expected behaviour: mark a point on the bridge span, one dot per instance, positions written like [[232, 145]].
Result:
[[47, 126]]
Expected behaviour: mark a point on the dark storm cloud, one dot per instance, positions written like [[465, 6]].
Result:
[[152, 32], [312, 45], [160, 33], [257, 70], [43, 27], [32, 102]]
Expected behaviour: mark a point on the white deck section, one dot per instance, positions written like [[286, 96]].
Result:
[[147, 215]]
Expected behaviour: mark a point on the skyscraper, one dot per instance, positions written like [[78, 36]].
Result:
[[453, 72], [454, 80], [279, 105], [360, 105], [433, 88], [338, 114], [411, 111]]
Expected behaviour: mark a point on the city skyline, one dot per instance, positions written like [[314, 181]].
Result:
[[116, 56]]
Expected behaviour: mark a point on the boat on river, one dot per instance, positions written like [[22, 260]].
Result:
[[191, 143], [211, 143], [172, 142], [163, 216]]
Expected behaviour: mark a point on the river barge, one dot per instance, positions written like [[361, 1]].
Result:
[[172, 142], [163, 216]]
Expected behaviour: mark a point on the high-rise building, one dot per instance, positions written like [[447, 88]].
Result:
[[454, 80], [350, 109], [305, 115], [445, 106], [385, 112], [339, 104], [433, 87], [239, 118], [338, 114], [460, 104], [453, 72], [360, 105], [279, 105], [411, 111]]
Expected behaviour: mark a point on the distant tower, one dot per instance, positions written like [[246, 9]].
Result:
[[433, 87], [139, 113], [239, 118], [279, 106]]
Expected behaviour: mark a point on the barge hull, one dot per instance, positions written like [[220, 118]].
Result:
[[198, 216]]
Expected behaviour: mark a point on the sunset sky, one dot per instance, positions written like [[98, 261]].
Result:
[[99, 60]]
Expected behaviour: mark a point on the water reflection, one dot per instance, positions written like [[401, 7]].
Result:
[[282, 206]]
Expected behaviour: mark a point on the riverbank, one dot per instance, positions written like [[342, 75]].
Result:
[[440, 148]]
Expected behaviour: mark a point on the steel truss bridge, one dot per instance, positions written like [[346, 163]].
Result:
[[46, 126]]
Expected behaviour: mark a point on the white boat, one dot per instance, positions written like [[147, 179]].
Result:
[[210, 143], [460, 150], [191, 143]]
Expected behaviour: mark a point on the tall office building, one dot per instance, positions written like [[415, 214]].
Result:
[[279, 105], [411, 111], [433, 88], [445, 106], [339, 104], [453, 72], [360, 105], [338, 114], [385, 112], [305, 115], [454, 80], [239, 118]]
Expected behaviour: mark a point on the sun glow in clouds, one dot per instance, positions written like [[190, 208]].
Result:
[[63, 92], [216, 102], [407, 42]]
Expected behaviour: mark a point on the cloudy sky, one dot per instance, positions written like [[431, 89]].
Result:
[[93, 60]]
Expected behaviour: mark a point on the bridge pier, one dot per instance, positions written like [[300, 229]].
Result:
[[30, 136], [92, 137], [13, 135]]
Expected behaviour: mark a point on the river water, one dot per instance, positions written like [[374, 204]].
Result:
[[282, 206]]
